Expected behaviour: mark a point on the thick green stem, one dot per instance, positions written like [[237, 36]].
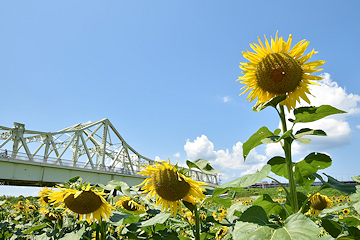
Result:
[[197, 223], [289, 164]]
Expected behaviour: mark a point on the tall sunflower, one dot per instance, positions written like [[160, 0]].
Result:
[[169, 186], [278, 69], [86, 202]]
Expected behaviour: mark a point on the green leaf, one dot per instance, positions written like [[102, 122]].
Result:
[[311, 114], [248, 230], [244, 181], [356, 178], [222, 201], [35, 228], [159, 218], [74, 235], [354, 232], [270, 207], [273, 102], [327, 211], [308, 131], [303, 140], [278, 166], [118, 185], [235, 210], [255, 214], [131, 219], [297, 226], [74, 179], [301, 197], [203, 165], [310, 164], [333, 183], [332, 227], [117, 218], [256, 140], [277, 131], [355, 199], [350, 221]]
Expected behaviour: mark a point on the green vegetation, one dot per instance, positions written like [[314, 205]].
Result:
[[273, 192]]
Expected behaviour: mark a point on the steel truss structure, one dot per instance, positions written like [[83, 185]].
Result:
[[94, 145]]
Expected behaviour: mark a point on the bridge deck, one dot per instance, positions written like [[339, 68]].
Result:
[[40, 171]]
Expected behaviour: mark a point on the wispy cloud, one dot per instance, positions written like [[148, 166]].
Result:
[[226, 99]]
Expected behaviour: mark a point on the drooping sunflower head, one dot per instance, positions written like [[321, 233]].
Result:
[[50, 215], [87, 203], [44, 196], [318, 203], [277, 69], [129, 204], [20, 206], [169, 186]]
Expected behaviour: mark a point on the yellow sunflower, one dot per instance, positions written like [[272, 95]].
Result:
[[51, 216], [279, 70], [318, 203], [346, 211], [129, 204], [44, 196], [170, 186], [87, 202], [221, 232]]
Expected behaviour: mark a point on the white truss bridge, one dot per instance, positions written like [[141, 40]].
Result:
[[97, 151]]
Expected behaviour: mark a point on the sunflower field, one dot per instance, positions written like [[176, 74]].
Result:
[[132, 215], [169, 204]]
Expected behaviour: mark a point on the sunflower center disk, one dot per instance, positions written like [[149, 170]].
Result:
[[167, 185], [278, 73], [87, 202]]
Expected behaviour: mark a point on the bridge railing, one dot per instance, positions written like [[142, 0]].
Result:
[[63, 162], [5, 154]]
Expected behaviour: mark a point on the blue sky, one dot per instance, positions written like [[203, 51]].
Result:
[[164, 73]]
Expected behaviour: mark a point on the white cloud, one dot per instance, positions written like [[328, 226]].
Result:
[[224, 160], [225, 99], [358, 126], [227, 177], [177, 155], [330, 93], [200, 148]]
